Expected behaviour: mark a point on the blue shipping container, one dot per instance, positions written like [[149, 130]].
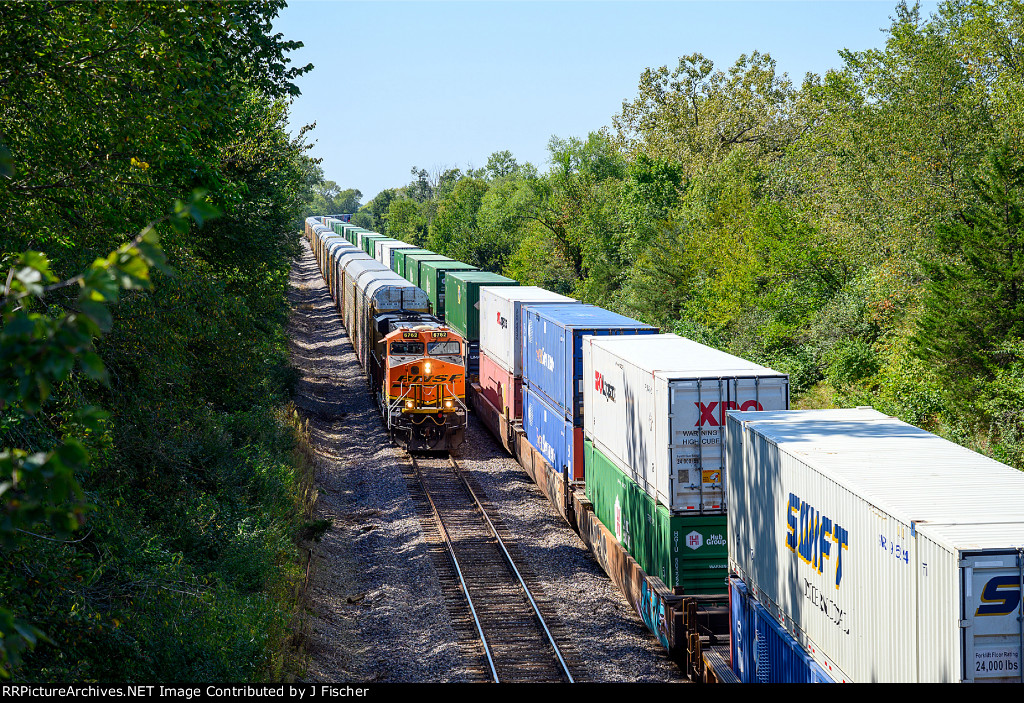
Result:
[[552, 338], [553, 436], [761, 649]]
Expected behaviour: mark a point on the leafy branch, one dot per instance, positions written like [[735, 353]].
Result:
[[41, 349]]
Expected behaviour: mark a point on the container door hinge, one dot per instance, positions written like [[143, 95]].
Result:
[[965, 623]]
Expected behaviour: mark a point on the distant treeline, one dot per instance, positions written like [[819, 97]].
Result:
[[861, 231], [154, 540]]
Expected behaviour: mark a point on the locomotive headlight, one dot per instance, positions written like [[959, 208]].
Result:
[[426, 367]]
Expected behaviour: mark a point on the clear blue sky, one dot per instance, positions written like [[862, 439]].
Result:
[[441, 84]]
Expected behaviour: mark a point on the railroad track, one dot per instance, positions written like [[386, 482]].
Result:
[[499, 619]]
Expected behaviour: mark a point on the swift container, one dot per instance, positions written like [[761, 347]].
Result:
[[888, 553]]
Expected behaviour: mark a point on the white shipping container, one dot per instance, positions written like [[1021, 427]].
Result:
[[891, 554], [656, 404], [384, 252], [500, 309]]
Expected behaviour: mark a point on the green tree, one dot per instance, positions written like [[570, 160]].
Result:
[[109, 110], [454, 228], [38, 350], [695, 115], [405, 221], [975, 298]]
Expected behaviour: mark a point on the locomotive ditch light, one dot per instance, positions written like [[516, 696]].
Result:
[[409, 404], [447, 403]]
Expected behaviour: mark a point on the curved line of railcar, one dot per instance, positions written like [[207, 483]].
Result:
[[376, 306]]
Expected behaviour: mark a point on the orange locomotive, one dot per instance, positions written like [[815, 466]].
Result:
[[418, 369]]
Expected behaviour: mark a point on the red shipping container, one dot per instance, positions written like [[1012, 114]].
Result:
[[503, 390]]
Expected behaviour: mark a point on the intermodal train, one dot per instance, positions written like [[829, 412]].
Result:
[[414, 363], [756, 542]]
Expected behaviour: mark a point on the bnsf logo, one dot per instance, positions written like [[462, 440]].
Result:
[[1000, 597], [707, 412], [440, 378], [603, 387], [502, 322]]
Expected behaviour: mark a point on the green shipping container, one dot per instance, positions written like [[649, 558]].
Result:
[[462, 293], [377, 243], [433, 277], [400, 261], [686, 552], [368, 241], [352, 232], [414, 265]]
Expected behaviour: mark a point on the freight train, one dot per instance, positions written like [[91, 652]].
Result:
[[757, 543], [413, 361]]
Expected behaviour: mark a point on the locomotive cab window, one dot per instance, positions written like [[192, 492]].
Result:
[[443, 348], [407, 348]]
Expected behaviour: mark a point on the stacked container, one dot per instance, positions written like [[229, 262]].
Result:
[[385, 252], [368, 241], [656, 407], [501, 349], [462, 310], [433, 280], [414, 265], [462, 297], [687, 552], [399, 262], [552, 358], [888, 553]]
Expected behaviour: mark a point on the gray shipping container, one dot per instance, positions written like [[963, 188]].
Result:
[[889, 553]]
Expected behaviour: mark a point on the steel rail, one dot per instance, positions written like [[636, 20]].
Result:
[[511, 563], [458, 570]]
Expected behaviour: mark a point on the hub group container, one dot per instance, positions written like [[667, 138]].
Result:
[[553, 435], [500, 326], [656, 407], [553, 350], [462, 297], [888, 553], [687, 552], [760, 648]]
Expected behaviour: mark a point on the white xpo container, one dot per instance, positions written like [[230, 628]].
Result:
[[891, 554], [656, 404], [500, 311]]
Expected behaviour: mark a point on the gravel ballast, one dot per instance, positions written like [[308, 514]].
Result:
[[375, 610]]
